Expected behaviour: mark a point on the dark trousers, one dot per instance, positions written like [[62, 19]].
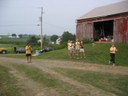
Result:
[[112, 58]]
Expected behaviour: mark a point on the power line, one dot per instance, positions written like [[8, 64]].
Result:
[[17, 25]]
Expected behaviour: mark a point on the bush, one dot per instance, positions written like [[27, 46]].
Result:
[[56, 47], [86, 40]]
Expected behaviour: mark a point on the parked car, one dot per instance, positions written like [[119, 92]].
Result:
[[45, 50], [20, 50], [3, 51]]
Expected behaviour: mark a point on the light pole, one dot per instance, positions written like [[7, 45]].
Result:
[[41, 28]]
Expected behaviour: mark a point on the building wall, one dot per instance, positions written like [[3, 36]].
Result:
[[84, 28], [121, 30]]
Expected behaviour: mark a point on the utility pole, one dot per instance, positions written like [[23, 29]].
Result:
[[41, 28]]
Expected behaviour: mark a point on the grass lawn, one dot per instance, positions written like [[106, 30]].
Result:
[[48, 80], [7, 83], [94, 54], [117, 84], [113, 83]]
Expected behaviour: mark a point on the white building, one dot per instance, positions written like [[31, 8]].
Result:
[[58, 41]]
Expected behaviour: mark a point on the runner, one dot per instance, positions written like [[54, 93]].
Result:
[[113, 51]]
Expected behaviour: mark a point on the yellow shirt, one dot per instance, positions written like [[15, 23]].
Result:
[[113, 50], [28, 49]]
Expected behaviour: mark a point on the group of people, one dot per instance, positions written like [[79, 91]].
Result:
[[76, 49]]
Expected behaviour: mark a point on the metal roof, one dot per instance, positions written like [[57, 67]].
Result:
[[116, 8]]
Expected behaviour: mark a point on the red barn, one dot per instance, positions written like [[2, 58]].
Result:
[[109, 21]]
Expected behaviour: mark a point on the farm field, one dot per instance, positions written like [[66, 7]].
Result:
[[94, 54], [55, 74], [61, 78]]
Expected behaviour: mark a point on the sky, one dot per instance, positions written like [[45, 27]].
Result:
[[22, 16]]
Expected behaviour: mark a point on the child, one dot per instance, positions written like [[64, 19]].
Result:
[[113, 51]]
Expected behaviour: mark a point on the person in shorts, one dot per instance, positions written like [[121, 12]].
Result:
[[77, 48], [28, 50], [72, 50], [82, 51]]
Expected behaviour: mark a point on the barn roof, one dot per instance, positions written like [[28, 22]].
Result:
[[112, 9]]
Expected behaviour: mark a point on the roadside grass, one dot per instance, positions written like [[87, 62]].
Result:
[[8, 85], [117, 84], [55, 54], [94, 54], [48, 81], [18, 56]]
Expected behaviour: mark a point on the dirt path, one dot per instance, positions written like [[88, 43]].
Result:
[[29, 87], [33, 88]]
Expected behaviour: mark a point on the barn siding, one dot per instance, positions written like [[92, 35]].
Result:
[[121, 30], [84, 27], [84, 30], [116, 34]]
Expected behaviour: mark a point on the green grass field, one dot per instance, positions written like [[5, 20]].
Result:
[[94, 54], [10, 43], [99, 54], [47, 80], [108, 82], [8, 85], [18, 41]]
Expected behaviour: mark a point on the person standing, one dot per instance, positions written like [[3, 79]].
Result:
[[77, 48], [14, 49], [72, 50], [82, 51], [113, 51], [28, 50]]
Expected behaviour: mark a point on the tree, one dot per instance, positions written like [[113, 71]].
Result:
[[45, 41], [32, 40], [20, 35], [54, 38], [14, 35], [68, 36]]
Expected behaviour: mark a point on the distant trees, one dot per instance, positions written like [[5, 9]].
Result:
[[45, 41], [67, 36], [54, 38], [14, 35], [32, 40], [20, 35]]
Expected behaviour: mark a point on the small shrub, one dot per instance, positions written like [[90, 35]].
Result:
[[86, 40], [56, 47]]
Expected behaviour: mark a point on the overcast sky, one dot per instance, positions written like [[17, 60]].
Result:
[[22, 16]]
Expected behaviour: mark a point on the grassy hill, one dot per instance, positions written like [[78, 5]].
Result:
[[94, 54], [50, 74]]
